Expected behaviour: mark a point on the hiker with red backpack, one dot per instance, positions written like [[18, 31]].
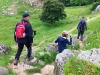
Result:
[[23, 35], [82, 26]]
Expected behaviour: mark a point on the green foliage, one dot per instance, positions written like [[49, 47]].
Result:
[[94, 39], [52, 11], [80, 67], [5, 4], [34, 70], [80, 2], [95, 4], [37, 68], [10, 72], [65, 2], [76, 47], [48, 57]]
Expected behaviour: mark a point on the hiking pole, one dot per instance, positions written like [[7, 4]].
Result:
[[71, 44]]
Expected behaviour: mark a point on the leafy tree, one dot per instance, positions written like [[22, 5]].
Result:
[[52, 11]]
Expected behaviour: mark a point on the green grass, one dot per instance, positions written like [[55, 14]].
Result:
[[79, 11], [80, 67], [45, 32], [94, 39], [5, 4], [37, 68]]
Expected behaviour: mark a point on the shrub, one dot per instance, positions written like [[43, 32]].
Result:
[[95, 4], [47, 58], [53, 11]]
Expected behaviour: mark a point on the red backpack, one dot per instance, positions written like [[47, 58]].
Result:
[[20, 30]]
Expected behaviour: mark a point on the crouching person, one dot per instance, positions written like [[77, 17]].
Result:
[[62, 41]]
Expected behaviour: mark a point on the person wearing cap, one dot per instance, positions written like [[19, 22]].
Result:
[[62, 41], [27, 40]]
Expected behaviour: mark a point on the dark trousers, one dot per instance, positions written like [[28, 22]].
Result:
[[20, 48], [80, 34]]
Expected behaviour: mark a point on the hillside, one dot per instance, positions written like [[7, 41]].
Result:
[[46, 33]]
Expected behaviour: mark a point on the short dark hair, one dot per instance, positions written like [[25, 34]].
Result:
[[83, 17], [25, 15]]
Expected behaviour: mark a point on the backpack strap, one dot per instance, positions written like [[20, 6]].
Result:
[[23, 22]]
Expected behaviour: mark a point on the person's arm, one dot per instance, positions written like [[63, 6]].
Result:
[[78, 25], [56, 41], [30, 33], [69, 42]]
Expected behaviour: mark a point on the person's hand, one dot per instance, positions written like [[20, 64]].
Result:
[[77, 28], [31, 43], [70, 36]]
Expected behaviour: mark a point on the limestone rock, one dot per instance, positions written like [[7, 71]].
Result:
[[48, 69], [74, 42], [60, 60], [37, 74], [97, 8], [43, 53], [35, 3], [41, 62], [4, 49], [4, 12], [33, 61], [51, 47], [3, 71], [92, 56]]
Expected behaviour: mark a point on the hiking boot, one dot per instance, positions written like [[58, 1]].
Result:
[[16, 62], [29, 59]]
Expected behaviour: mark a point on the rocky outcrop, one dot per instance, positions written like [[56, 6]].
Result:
[[3, 71], [92, 56], [51, 47], [60, 60], [11, 10], [97, 8], [35, 3], [4, 49]]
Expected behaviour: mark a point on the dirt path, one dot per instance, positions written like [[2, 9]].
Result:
[[20, 68], [88, 20], [81, 44], [38, 46]]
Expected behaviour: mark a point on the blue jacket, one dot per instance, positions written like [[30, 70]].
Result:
[[82, 25], [62, 43], [29, 34]]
